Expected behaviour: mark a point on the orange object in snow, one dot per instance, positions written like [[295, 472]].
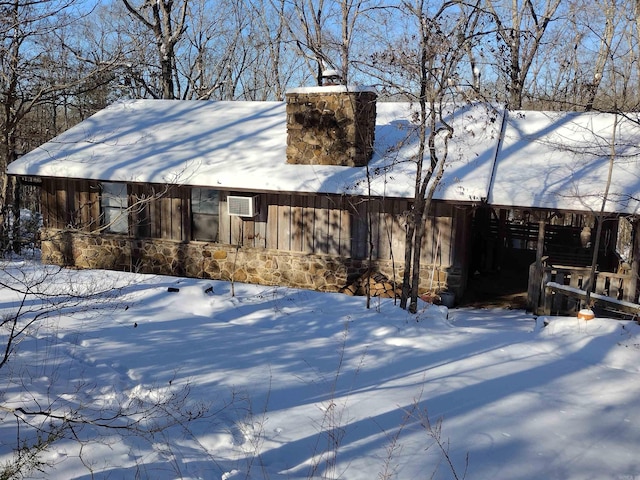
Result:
[[586, 314]]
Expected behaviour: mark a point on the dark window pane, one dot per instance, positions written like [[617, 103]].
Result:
[[114, 203], [205, 214], [204, 200]]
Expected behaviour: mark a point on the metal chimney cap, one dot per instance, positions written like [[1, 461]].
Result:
[[331, 77], [331, 72]]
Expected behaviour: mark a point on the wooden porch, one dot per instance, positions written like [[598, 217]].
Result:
[[558, 287], [561, 290]]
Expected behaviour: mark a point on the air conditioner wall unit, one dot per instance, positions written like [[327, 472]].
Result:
[[242, 206]]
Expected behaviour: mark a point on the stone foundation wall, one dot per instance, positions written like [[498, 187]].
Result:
[[222, 262]]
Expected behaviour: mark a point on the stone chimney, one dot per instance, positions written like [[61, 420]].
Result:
[[330, 125]]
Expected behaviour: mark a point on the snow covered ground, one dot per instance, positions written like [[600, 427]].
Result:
[[294, 384]]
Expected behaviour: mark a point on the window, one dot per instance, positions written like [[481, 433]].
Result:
[[205, 215], [113, 205]]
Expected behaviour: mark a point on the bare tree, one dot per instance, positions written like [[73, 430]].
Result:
[[226, 53], [601, 213], [32, 75], [352, 13], [309, 35], [423, 64], [325, 32], [585, 58], [614, 86], [208, 60], [589, 46], [520, 28], [158, 18], [604, 51], [277, 65]]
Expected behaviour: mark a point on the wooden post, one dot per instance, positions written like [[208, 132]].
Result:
[[537, 280], [630, 291], [502, 234], [547, 301]]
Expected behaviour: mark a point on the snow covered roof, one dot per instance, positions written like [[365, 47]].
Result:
[[560, 160], [553, 160], [242, 146]]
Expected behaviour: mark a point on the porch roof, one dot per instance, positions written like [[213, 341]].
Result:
[[242, 146], [560, 161]]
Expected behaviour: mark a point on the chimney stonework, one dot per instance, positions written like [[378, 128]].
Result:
[[330, 126]]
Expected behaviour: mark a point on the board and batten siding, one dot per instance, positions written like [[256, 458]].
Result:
[[155, 210], [338, 225], [70, 203], [315, 224], [166, 211]]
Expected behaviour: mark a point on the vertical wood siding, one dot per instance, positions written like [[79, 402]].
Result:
[[338, 225], [315, 224], [169, 211], [68, 203]]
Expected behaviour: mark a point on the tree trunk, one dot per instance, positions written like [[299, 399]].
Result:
[[603, 54], [15, 190], [408, 255], [417, 254], [600, 216], [166, 66]]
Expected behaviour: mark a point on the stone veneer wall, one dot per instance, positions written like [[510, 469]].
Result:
[[221, 262], [330, 126]]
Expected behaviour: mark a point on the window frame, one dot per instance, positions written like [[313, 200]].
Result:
[[205, 214], [114, 207]]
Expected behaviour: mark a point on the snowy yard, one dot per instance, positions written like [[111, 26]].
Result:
[[292, 384]]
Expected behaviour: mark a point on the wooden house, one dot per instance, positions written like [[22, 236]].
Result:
[[314, 191], [311, 192]]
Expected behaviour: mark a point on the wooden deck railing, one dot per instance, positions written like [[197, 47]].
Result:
[[612, 285]]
